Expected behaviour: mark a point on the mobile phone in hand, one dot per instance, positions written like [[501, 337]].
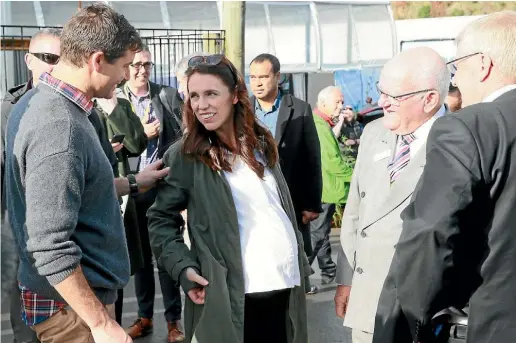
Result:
[[118, 138]]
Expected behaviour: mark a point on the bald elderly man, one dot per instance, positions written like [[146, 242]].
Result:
[[412, 88]]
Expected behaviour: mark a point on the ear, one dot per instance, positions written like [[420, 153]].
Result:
[[96, 59], [278, 77], [431, 101], [235, 98], [487, 65], [28, 60]]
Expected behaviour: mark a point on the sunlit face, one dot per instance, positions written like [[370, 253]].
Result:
[[212, 102], [264, 83], [44, 44], [333, 104], [140, 69], [401, 115], [107, 75]]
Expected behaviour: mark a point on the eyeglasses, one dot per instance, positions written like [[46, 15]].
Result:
[[211, 60], [452, 65], [46, 57], [147, 65], [397, 99]]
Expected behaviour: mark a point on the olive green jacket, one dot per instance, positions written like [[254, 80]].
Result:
[[124, 121], [215, 249]]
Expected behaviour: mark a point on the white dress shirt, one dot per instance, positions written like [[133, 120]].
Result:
[[498, 93], [421, 133], [267, 238]]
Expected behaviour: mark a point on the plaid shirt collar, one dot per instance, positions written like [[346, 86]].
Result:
[[68, 91]]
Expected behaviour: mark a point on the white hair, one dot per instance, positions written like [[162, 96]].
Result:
[[494, 35], [442, 80], [182, 65], [325, 93]]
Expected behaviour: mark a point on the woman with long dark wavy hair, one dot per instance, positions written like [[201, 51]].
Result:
[[244, 272]]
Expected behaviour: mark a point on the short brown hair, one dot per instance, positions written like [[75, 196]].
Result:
[[97, 28]]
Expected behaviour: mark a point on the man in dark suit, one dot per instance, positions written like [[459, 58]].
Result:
[[291, 122], [159, 109], [458, 243]]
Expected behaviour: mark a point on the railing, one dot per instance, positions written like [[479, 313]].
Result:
[[167, 48]]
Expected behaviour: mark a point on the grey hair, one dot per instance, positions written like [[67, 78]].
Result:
[[182, 65], [494, 35], [325, 93], [443, 78], [47, 31]]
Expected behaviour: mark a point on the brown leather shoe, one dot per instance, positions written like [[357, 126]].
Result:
[[140, 328], [174, 333]]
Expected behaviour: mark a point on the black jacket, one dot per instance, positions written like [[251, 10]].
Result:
[[458, 242], [299, 153]]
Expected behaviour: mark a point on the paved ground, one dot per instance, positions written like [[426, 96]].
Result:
[[323, 325]]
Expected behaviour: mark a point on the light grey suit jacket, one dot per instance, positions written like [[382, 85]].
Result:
[[371, 225]]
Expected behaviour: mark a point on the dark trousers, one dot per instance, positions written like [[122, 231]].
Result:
[[307, 243], [144, 277], [265, 318], [321, 248]]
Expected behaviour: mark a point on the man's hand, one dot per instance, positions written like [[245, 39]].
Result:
[[309, 216], [117, 147], [341, 300], [148, 177], [197, 294], [350, 142], [110, 332], [152, 129]]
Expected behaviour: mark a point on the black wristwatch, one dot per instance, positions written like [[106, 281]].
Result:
[[133, 185]]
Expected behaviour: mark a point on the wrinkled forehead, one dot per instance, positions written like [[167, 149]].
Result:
[[394, 79], [46, 44]]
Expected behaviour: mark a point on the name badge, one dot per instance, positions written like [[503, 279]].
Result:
[[381, 155]]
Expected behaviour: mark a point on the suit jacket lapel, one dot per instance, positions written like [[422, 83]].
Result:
[[284, 115], [402, 188]]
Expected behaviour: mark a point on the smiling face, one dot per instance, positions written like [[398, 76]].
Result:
[[212, 103], [107, 75], [139, 71]]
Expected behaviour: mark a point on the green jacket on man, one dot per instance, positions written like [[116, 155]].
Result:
[[336, 174]]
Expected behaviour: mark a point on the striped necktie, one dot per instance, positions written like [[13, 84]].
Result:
[[402, 157]]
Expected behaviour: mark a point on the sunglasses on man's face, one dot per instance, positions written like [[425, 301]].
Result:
[[211, 60], [46, 57]]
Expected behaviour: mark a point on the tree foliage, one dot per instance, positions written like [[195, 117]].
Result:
[[433, 9]]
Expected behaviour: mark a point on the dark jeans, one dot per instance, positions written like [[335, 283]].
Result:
[[144, 277], [307, 243], [320, 233], [265, 318]]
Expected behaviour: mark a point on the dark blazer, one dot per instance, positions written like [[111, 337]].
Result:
[[459, 240], [299, 152]]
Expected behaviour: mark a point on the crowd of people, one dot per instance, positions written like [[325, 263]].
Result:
[[105, 174]]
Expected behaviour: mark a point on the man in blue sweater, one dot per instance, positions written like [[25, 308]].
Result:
[[61, 197]]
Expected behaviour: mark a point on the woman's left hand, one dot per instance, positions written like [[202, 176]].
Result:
[[197, 294]]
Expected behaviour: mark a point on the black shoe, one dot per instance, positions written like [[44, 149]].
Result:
[[326, 280], [313, 290]]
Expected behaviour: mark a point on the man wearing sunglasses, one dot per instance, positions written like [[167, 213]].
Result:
[[44, 49], [458, 243], [413, 87]]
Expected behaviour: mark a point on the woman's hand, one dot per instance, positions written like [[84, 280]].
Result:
[[197, 294]]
